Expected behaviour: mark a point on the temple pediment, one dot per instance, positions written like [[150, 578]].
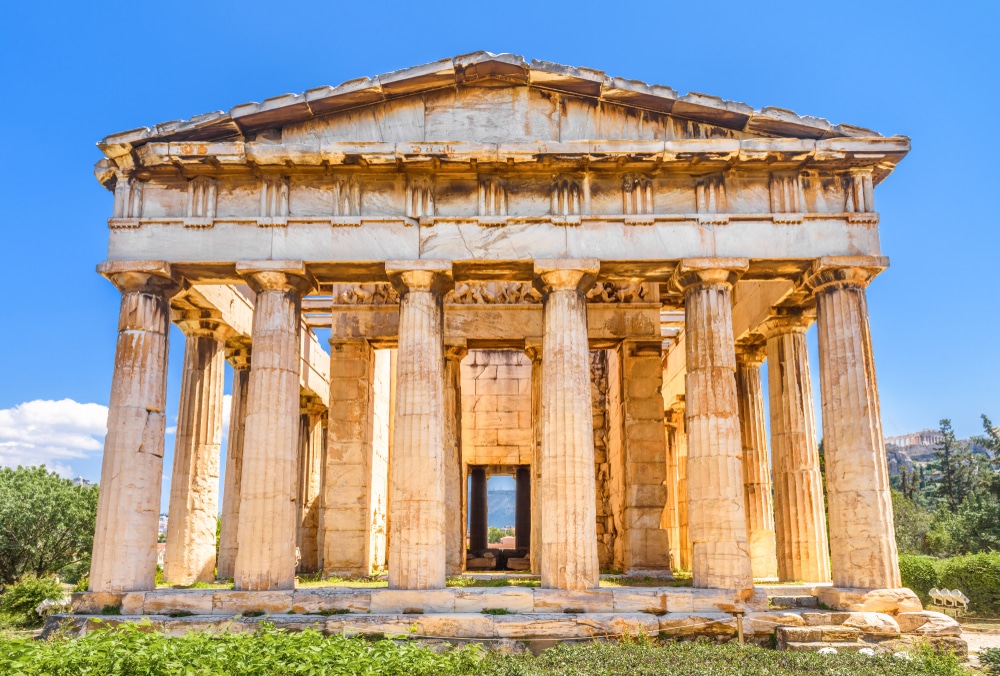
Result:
[[486, 98]]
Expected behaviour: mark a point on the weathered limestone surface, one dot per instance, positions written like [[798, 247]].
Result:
[[266, 536], [124, 557], [800, 516], [670, 518], [417, 555], [496, 408], [717, 520], [861, 526], [756, 469], [311, 447], [568, 549], [645, 545], [534, 351], [228, 545], [194, 486], [455, 525]]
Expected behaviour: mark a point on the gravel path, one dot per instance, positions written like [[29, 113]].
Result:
[[978, 640]]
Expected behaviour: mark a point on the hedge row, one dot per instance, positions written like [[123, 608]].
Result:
[[976, 575]]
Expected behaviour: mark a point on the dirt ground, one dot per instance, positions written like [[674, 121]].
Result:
[[979, 639]]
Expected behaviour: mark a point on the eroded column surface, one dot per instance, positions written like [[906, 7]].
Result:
[[455, 526], [861, 523], [646, 546], [799, 513], [239, 359], [194, 482], [533, 348], [684, 554], [568, 548], [268, 515], [348, 466], [417, 555], [669, 521], [716, 512], [756, 469], [311, 445], [128, 508]]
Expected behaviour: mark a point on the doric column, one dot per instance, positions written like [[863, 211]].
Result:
[[533, 348], [310, 481], [645, 545], [347, 482], [128, 509], [478, 510], [522, 514], [857, 482], [669, 521], [194, 483], [756, 470], [266, 536], [239, 359], [684, 555], [455, 528], [799, 514], [417, 555], [568, 490], [716, 515]]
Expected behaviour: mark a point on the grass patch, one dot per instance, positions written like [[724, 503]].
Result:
[[644, 581], [111, 610], [336, 611], [315, 581], [463, 581], [497, 611], [134, 649]]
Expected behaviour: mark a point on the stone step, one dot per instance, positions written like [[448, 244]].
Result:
[[824, 633], [794, 601], [815, 646]]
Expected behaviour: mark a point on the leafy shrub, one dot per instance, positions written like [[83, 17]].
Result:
[[990, 659], [919, 573], [21, 599], [978, 577]]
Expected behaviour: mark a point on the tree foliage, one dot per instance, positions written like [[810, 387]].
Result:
[[46, 522], [955, 467]]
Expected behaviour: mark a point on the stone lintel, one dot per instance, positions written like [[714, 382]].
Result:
[[456, 348]]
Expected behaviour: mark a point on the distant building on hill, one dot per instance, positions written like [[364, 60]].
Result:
[[922, 438]]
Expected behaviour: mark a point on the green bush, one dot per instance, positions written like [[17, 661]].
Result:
[[978, 577], [919, 573], [990, 659], [20, 600], [137, 650]]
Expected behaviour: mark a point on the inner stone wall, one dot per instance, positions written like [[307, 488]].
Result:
[[496, 408]]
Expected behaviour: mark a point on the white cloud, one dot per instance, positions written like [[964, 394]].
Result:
[[51, 432], [227, 407]]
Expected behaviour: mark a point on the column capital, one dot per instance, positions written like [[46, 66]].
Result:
[[150, 276], [268, 275], [420, 275], [310, 404], [533, 348], [697, 272], [787, 320], [843, 271], [751, 353], [566, 274], [455, 349]]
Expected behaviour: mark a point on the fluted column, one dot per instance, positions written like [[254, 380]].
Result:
[[478, 510], [717, 518], [266, 536], [799, 513], [756, 470], [128, 508], [684, 556], [857, 481], [455, 526], [239, 359], [568, 490], [194, 482], [417, 554], [669, 521], [311, 445], [533, 348]]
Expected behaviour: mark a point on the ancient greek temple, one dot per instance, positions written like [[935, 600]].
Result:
[[520, 269]]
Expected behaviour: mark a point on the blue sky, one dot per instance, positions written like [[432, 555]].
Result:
[[72, 73]]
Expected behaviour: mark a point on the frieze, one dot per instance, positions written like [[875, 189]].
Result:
[[617, 292], [374, 293], [493, 293]]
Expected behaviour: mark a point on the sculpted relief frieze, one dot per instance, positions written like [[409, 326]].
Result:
[[617, 292], [374, 293], [493, 293]]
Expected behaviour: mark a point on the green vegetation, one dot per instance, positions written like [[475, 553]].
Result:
[[976, 575], [990, 659], [46, 524], [493, 534], [137, 650], [18, 603]]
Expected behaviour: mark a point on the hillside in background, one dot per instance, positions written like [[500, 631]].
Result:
[[501, 508]]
